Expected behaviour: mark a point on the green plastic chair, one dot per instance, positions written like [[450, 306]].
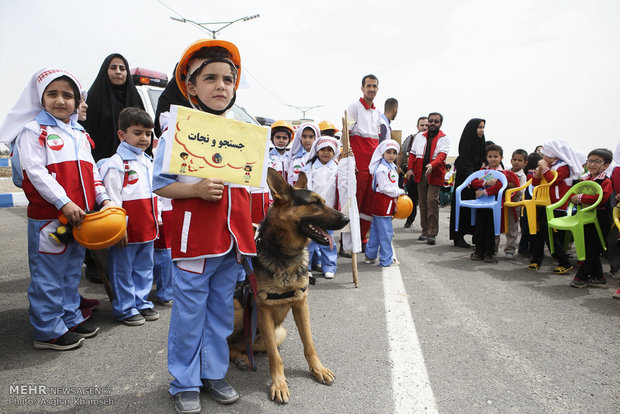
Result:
[[576, 222]]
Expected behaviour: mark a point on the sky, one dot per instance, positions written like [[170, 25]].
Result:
[[536, 70]]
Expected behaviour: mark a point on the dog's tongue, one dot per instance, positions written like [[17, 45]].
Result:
[[326, 234]]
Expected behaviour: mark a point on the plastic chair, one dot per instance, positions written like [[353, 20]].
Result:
[[576, 222], [540, 197], [493, 202], [509, 203]]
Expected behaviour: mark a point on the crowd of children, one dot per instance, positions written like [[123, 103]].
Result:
[[164, 240], [560, 167]]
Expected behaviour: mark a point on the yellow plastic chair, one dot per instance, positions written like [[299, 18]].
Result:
[[540, 197], [509, 203], [576, 222]]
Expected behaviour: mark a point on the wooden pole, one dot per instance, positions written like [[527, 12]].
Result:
[[345, 153]]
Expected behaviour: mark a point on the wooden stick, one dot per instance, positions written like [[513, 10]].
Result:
[[345, 153]]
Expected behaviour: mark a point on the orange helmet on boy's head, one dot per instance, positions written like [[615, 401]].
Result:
[[325, 125], [283, 124], [181, 74]]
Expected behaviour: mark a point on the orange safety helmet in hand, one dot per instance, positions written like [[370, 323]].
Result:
[[404, 207], [99, 230]]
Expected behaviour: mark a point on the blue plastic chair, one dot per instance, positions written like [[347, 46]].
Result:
[[493, 202]]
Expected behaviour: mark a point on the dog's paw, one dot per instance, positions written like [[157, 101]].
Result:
[[279, 391], [242, 362], [323, 375]]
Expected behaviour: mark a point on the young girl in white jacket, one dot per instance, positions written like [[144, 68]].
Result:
[[322, 173], [385, 186]]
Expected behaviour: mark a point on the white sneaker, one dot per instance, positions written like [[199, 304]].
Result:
[[328, 275], [510, 256], [369, 261], [395, 262]]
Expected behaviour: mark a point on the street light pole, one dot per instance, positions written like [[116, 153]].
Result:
[[213, 32], [304, 109]]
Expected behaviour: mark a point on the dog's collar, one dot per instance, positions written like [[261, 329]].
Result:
[[285, 295]]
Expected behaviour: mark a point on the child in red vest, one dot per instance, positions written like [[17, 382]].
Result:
[[211, 235], [59, 177], [127, 177], [558, 156], [484, 234], [590, 272]]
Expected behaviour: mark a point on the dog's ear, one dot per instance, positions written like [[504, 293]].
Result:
[[279, 188], [302, 180]]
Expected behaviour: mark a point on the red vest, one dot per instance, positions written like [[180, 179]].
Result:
[[202, 229], [383, 205]]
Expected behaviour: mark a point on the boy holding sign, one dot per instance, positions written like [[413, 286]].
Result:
[[205, 269]]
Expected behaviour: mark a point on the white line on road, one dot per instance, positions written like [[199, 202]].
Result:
[[411, 387]]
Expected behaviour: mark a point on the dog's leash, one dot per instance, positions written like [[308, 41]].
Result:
[[250, 312]]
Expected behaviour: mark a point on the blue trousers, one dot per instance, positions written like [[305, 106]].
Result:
[[328, 258], [131, 276], [380, 240], [55, 273], [201, 320], [162, 273]]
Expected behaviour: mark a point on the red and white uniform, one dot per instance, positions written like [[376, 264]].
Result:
[[561, 184], [386, 190], [279, 162], [440, 145], [58, 167], [364, 132], [364, 138], [127, 177]]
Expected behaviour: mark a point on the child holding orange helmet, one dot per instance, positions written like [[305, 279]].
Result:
[[59, 176], [206, 269]]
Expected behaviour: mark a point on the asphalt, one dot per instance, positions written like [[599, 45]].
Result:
[[495, 338]]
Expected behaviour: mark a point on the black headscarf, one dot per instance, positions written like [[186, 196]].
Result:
[[470, 159], [172, 96], [105, 101], [471, 149]]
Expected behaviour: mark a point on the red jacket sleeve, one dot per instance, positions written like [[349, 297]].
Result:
[[438, 160], [410, 161], [607, 190], [477, 183]]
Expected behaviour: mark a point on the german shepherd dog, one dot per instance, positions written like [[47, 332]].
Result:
[[281, 270]]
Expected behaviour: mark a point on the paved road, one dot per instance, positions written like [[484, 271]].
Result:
[[438, 334]]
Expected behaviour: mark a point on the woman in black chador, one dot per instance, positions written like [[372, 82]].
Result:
[[112, 91], [471, 157]]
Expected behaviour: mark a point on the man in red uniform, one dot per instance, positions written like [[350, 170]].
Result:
[[364, 138], [427, 164]]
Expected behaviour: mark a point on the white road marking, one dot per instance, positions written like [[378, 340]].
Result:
[[411, 387]]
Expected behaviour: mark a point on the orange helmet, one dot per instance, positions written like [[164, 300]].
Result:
[[180, 73], [325, 125], [101, 229], [283, 124], [404, 207]]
